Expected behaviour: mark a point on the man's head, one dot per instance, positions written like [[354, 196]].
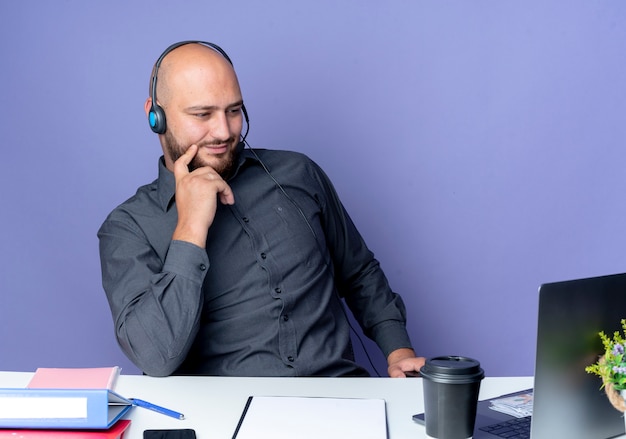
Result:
[[197, 89]]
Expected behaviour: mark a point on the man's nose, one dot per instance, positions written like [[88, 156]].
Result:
[[220, 128]]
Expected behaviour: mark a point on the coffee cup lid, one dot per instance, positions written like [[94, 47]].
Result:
[[452, 369]]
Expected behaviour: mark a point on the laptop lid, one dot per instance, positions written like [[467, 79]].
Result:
[[568, 402]]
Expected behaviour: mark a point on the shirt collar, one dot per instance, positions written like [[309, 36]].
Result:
[[166, 183]]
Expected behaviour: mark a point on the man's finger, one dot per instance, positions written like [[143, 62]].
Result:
[[181, 165], [226, 194]]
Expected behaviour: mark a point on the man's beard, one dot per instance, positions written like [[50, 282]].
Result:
[[225, 161]]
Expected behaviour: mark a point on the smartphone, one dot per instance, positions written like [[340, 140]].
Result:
[[182, 433]]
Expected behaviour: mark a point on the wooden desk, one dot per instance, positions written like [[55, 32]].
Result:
[[212, 405]]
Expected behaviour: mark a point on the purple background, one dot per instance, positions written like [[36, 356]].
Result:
[[479, 147]]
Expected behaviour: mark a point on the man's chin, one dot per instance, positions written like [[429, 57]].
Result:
[[221, 163]]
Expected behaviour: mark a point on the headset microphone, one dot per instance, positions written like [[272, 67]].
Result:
[[242, 143]]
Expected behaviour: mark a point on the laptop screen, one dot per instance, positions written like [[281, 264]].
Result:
[[568, 402]]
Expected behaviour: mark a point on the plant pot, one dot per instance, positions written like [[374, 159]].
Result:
[[623, 396], [617, 398]]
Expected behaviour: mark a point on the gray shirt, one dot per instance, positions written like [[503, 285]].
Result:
[[263, 299]]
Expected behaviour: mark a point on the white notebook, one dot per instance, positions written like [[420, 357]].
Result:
[[287, 417]]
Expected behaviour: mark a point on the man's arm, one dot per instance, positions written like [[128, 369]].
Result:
[[156, 304], [156, 299], [360, 279]]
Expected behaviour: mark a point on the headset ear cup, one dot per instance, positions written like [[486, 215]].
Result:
[[156, 118]]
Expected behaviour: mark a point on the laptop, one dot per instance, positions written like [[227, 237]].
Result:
[[567, 401]]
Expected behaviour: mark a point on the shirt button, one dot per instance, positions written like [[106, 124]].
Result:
[[285, 317], [290, 358], [278, 290], [245, 219], [263, 256], [202, 267]]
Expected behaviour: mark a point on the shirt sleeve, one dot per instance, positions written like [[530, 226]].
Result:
[[156, 304], [361, 281]]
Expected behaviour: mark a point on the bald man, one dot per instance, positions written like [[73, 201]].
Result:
[[235, 261]]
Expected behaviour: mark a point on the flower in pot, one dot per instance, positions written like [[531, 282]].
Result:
[[611, 367]]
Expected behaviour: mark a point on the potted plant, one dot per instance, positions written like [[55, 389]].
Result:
[[611, 367]]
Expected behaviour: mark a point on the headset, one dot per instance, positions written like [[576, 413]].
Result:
[[156, 115], [156, 118]]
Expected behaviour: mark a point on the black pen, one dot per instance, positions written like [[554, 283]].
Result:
[[157, 408]]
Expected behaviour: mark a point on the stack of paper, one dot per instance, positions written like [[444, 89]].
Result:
[[519, 406]]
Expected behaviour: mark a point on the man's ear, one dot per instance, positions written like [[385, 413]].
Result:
[[147, 106]]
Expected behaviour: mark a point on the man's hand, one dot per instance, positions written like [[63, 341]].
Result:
[[403, 363], [196, 198]]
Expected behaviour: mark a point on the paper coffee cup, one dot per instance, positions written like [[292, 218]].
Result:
[[451, 385]]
